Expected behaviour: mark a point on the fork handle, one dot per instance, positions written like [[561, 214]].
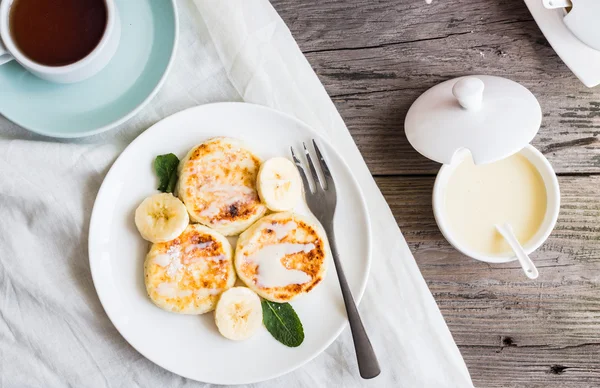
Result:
[[368, 365]]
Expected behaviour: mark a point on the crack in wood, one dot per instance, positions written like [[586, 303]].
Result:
[[382, 45], [511, 21], [585, 141], [505, 342], [558, 369], [360, 75], [539, 266], [513, 344], [368, 92]]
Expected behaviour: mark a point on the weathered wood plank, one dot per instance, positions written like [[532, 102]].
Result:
[[322, 25], [513, 331], [376, 59], [568, 136], [514, 366]]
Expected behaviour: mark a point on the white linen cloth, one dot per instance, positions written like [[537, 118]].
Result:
[[53, 330]]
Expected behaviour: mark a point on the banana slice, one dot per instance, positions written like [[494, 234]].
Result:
[[238, 314], [161, 218], [279, 184]]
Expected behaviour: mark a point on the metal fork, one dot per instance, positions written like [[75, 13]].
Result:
[[321, 200]]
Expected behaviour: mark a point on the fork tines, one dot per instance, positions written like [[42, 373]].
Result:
[[328, 180]]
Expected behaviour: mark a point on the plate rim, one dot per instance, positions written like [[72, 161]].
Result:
[[131, 113], [357, 298]]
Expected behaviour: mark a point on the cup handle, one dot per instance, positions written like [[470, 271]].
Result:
[[4, 55]]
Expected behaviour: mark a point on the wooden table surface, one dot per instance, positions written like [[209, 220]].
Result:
[[375, 58]]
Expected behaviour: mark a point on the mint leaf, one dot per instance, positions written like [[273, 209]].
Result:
[[166, 169], [283, 323]]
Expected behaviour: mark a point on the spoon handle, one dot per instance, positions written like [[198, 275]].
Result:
[[509, 235], [551, 4]]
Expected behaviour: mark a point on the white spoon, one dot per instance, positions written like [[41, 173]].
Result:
[[509, 235]]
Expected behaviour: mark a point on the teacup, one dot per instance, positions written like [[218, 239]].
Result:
[[77, 71]]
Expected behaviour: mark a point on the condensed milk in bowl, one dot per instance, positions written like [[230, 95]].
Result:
[[479, 128]]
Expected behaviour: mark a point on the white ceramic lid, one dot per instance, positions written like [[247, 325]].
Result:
[[492, 117], [582, 20]]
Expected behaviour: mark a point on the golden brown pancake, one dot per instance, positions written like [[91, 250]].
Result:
[[217, 184], [187, 275], [282, 256]]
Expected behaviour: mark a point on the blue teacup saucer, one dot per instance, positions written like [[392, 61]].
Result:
[[134, 75]]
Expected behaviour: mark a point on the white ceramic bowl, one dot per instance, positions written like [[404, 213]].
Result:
[[552, 209]]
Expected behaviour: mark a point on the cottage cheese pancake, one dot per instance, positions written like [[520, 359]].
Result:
[[217, 183], [187, 275], [282, 256]]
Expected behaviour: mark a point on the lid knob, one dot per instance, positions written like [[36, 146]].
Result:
[[469, 92], [456, 115]]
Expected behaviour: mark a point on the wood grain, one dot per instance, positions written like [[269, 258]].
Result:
[[512, 331], [375, 58]]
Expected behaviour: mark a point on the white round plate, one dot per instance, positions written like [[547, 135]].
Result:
[[191, 345]]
